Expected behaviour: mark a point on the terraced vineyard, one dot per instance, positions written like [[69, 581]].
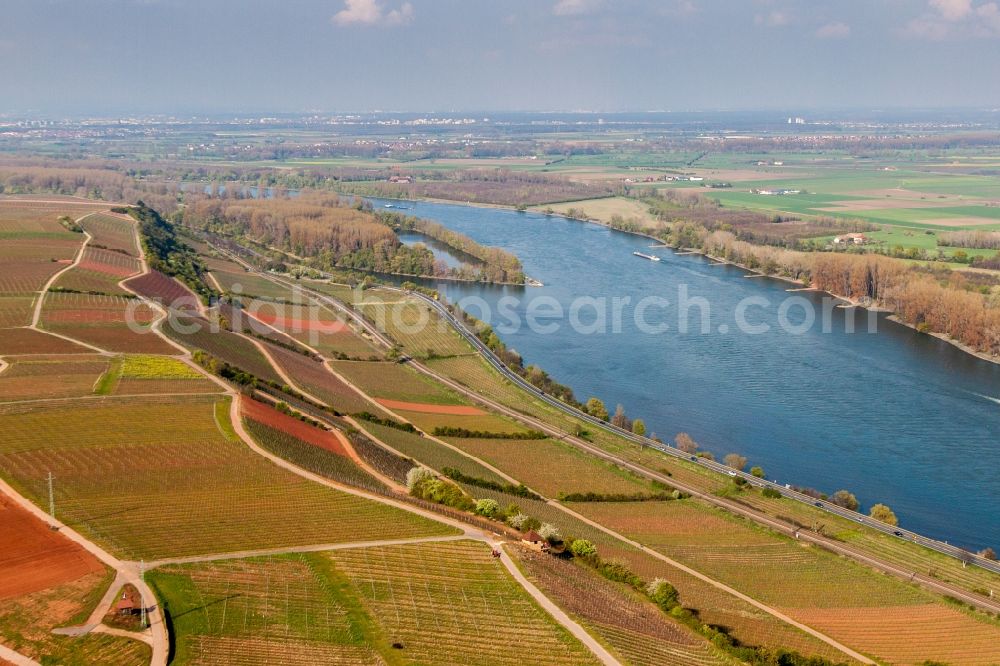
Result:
[[308, 447], [551, 467], [15, 341], [141, 375], [112, 232], [748, 624], [35, 377], [156, 477], [412, 324], [103, 321], [243, 283], [315, 378], [99, 271], [316, 327], [166, 291], [198, 333], [639, 631], [429, 452], [454, 603], [809, 583], [288, 609], [395, 381]]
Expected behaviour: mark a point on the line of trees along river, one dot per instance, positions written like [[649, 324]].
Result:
[[894, 415]]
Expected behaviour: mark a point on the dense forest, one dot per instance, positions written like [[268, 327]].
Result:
[[330, 231], [946, 302], [484, 186], [495, 265], [166, 253]]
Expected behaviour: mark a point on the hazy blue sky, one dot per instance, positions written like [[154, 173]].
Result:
[[116, 56]]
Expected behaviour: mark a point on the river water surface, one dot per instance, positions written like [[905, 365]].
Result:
[[894, 416]]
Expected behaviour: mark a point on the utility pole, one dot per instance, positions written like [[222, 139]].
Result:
[[142, 599], [52, 499]]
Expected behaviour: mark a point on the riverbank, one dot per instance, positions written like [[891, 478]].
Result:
[[847, 300]]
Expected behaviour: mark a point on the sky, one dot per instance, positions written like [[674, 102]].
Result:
[[253, 56]]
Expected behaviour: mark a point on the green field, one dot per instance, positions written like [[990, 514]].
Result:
[[453, 603], [430, 453], [414, 326], [395, 381], [551, 467], [159, 477], [289, 609]]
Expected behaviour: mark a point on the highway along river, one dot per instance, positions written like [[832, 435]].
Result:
[[893, 415]]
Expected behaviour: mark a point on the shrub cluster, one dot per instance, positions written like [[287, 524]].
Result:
[[448, 431], [422, 483], [520, 490], [385, 421]]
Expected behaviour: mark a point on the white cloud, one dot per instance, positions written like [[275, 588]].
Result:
[[371, 12], [955, 18], [988, 20], [952, 10], [773, 19], [835, 30], [575, 7]]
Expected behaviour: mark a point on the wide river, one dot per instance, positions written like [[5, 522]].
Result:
[[894, 416]]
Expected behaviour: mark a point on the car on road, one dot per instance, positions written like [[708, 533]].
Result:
[[693, 458], [818, 504], [897, 533]]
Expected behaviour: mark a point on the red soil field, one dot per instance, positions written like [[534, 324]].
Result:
[[110, 263], [291, 325], [164, 290], [34, 557], [425, 408], [82, 316], [29, 341], [258, 411]]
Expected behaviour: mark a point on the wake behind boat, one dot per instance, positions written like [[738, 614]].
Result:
[[646, 256]]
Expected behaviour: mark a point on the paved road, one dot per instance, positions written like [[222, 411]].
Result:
[[16, 658]]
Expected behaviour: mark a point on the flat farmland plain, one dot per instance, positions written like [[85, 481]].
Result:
[[158, 477], [453, 603]]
